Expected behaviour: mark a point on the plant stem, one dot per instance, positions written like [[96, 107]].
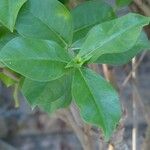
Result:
[[15, 95], [83, 138], [9, 74], [134, 104]]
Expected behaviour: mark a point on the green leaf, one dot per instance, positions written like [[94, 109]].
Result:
[[118, 35], [5, 36], [64, 1], [49, 96], [6, 80], [48, 20], [121, 3], [123, 58], [89, 14], [8, 12], [38, 60], [76, 46], [97, 100]]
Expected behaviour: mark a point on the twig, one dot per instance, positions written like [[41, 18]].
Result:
[[143, 7], [15, 95], [79, 132], [144, 108], [135, 67], [146, 10], [109, 75], [76, 115], [134, 104], [9, 74], [146, 114], [110, 147]]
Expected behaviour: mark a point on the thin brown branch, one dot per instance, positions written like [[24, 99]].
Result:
[[84, 139], [134, 105], [135, 67], [15, 95], [109, 75], [143, 7]]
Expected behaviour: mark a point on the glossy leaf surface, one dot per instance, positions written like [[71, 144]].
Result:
[[121, 3], [118, 35], [97, 100], [8, 12], [123, 58], [5, 36], [48, 20], [38, 60], [89, 14], [48, 95]]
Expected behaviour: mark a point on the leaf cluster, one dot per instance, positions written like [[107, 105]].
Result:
[[50, 47]]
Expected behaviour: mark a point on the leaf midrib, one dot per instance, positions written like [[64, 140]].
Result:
[[51, 29], [116, 35], [34, 59], [95, 103]]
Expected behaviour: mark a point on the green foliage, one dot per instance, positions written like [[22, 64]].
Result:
[[95, 97], [121, 3], [51, 47], [46, 58], [8, 12], [5, 36], [114, 36], [6, 80], [64, 1], [83, 22], [48, 95], [124, 57], [49, 20]]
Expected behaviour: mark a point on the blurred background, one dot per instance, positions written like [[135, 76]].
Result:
[[26, 129]]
